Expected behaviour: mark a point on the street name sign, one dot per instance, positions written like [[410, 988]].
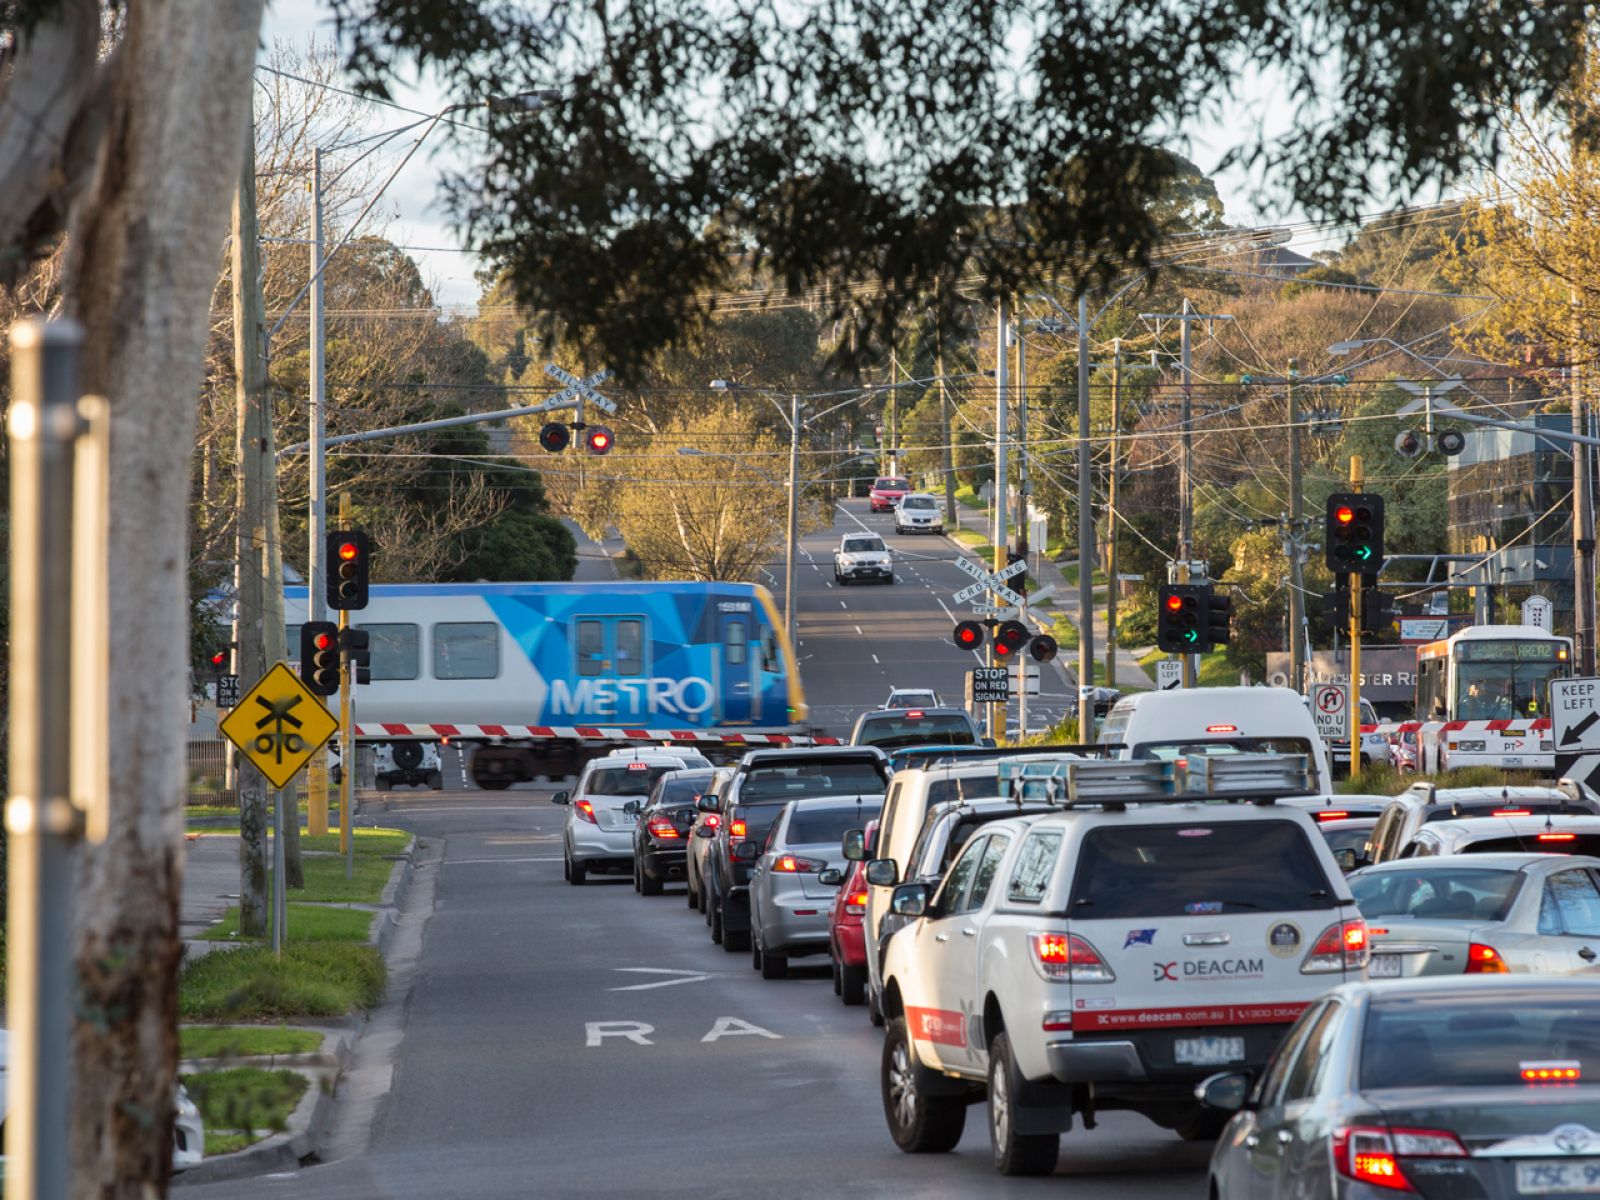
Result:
[[1169, 674], [1330, 709], [279, 725], [990, 685]]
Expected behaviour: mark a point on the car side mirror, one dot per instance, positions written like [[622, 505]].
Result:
[[561, 798], [708, 804], [746, 851], [1225, 1092], [909, 900], [881, 872], [1346, 858], [989, 742], [633, 807], [832, 877], [855, 844], [706, 831]]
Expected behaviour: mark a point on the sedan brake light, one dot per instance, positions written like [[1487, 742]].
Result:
[[585, 811], [661, 827], [1485, 960], [792, 865], [855, 903], [1371, 1154], [1066, 957], [1340, 947]]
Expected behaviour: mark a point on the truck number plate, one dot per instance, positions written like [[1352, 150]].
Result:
[[1208, 1051]]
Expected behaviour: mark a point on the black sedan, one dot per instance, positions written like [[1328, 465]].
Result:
[[663, 829], [1439, 1087]]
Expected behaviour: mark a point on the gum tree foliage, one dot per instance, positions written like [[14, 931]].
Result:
[[885, 143]]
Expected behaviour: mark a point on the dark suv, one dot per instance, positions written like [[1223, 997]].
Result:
[[764, 782]]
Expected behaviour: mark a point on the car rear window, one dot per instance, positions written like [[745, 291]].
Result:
[[771, 784], [1458, 894], [1347, 839], [684, 789], [979, 788], [1484, 1041], [1554, 842], [1191, 747], [632, 780], [1489, 808], [901, 729], [826, 826], [1197, 868]]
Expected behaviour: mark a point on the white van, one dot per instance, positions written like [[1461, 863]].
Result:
[[1216, 720]]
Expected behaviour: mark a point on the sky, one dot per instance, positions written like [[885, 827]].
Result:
[[417, 219]]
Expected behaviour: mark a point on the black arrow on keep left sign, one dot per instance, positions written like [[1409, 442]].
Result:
[[1575, 734]]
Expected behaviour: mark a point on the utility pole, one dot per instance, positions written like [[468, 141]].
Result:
[[1111, 513], [794, 520], [1583, 525], [316, 462], [1355, 582], [1085, 537], [893, 430], [1024, 487], [952, 516], [347, 727], [1297, 594], [1002, 421], [1185, 319], [256, 473]]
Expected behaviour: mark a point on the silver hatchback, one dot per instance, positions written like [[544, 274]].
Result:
[[604, 807], [789, 904]]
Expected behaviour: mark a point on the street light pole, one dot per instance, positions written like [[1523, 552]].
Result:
[[794, 519], [315, 610]]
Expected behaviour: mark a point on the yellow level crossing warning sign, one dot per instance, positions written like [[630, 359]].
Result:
[[279, 725]]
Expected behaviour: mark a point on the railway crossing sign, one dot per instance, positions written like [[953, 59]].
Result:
[[279, 725], [988, 582], [578, 390], [1330, 709]]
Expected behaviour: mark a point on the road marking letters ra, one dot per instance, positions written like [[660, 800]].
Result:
[[639, 1033]]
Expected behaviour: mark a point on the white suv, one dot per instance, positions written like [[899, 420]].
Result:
[[918, 513], [1111, 954]]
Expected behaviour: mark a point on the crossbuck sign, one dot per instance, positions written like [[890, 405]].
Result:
[[990, 582], [578, 390]]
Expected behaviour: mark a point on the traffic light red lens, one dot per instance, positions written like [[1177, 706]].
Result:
[[1174, 602], [220, 657], [599, 441], [323, 641], [348, 551], [1344, 514]]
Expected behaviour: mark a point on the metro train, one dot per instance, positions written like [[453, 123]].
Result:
[[540, 677]]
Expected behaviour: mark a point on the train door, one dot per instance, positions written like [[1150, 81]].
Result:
[[614, 648], [738, 667]]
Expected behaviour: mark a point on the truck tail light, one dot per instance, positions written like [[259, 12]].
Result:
[[736, 829], [1485, 960], [1340, 947], [585, 811], [1066, 957], [856, 903]]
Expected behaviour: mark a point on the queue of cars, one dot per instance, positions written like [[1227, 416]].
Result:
[[1169, 927]]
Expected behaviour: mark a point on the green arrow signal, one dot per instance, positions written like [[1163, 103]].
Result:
[[1363, 552], [1191, 635]]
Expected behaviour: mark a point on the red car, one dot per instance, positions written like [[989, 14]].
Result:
[[886, 492], [847, 947]]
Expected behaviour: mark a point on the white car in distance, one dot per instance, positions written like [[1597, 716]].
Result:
[[918, 513], [862, 556]]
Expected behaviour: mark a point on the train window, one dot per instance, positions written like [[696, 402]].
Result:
[[466, 650], [591, 648], [394, 650], [734, 643], [769, 650], [630, 647]]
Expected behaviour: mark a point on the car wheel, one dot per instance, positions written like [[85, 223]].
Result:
[[890, 579], [774, 966], [874, 1012], [734, 941], [635, 874], [1014, 1153], [577, 874], [566, 867], [755, 954], [852, 984], [381, 782], [918, 1122], [834, 963], [436, 780], [715, 921], [1204, 1126], [705, 902], [649, 885]]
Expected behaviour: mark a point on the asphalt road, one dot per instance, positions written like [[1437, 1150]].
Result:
[[513, 1077], [858, 641]]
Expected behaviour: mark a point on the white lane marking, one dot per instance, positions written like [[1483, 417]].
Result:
[[853, 517], [734, 1027], [635, 1031], [947, 611], [858, 630], [678, 977], [874, 658], [842, 604]]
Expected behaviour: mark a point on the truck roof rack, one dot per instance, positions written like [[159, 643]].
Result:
[[1068, 782], [948, 756]]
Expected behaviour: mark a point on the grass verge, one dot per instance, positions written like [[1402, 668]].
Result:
[[326, 884], [245, 1100], [227, 1143], [307, 923], [241, 1041], [1215, 669], [310, 980], [1386, 781], [368, 841]]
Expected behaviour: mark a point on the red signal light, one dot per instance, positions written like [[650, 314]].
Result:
[[1344, 514], [323, 641], [968, 635], [220, 657], [348, 551], [1174, 602], [598, 439]]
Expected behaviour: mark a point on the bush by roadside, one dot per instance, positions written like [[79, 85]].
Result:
[[241, 1104], [1384, 780]]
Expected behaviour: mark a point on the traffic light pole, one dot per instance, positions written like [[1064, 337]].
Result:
[[1002, 423], [1353, 718], [347, 773]]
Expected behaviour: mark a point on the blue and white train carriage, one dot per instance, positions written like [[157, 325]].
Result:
[[543, 676]]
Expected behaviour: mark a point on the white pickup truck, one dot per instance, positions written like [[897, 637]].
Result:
[[862, 556]]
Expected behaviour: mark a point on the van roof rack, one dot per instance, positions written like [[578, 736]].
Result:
[[1068, 782], [946, 756]]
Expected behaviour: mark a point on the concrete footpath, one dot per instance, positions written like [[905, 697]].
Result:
[[210, 887]]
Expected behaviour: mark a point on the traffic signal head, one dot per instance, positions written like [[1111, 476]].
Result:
[[555, 437], [1377, 610], [1219, 620], [1009, 638], [1043, 648], [1336, 610], [319, 657], [598, 439], [969, 635], [1180, 617], [349, 566], [1353, 539]]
